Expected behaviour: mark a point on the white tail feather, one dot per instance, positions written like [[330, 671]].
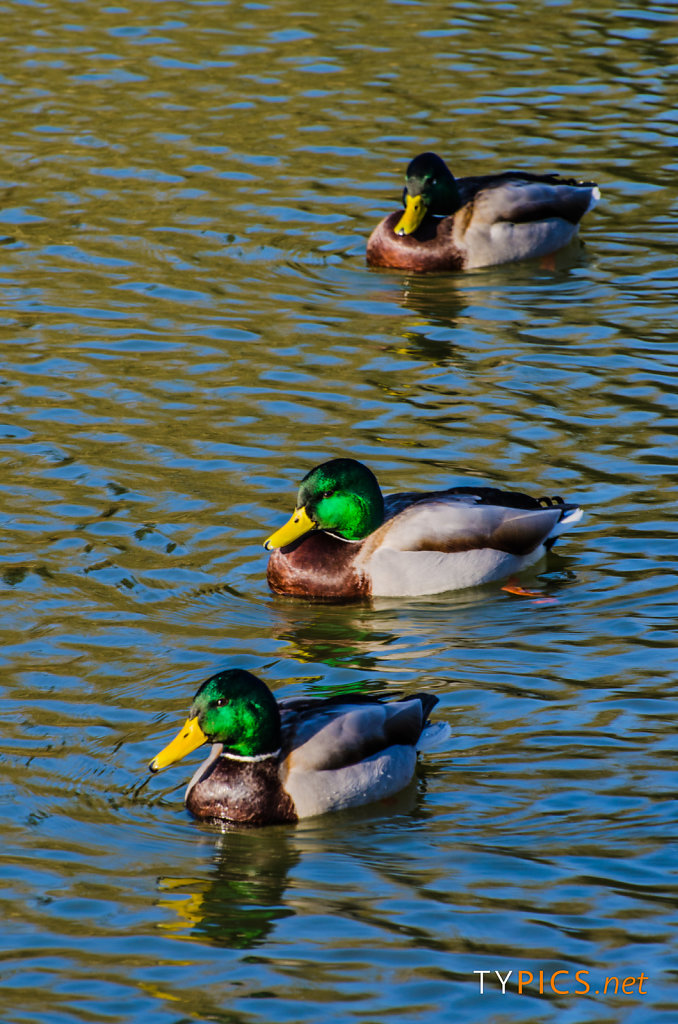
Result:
[[568, 520], [434, 736]]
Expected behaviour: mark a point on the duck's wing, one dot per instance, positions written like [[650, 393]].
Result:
[[329, 735], [519, 197], [517, 216], [468, 519]]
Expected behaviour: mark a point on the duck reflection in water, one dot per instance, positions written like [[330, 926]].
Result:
[[240, 897], [239, 900]]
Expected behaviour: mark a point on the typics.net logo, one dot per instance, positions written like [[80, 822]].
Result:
[[560, 983]]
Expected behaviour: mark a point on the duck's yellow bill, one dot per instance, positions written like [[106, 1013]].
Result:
[[415, 211], [189, 738], [295, 527]]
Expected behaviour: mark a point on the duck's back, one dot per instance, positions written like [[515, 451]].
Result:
[[520, 195], [461, 537], [515, 216], [345, 754], [321, 734]]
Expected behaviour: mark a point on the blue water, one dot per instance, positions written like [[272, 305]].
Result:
[[187, 326]]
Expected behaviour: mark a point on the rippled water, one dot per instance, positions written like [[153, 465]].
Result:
[[188, 325]]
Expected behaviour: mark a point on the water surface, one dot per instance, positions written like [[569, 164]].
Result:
[[187, 326]]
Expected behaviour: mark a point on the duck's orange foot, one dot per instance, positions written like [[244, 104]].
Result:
[[515, 588]]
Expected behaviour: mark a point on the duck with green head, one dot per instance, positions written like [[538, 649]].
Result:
[[462, 223], [281, 761], [346, 541]]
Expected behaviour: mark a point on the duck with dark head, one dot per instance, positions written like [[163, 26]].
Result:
[[345, 541], [462, 223]]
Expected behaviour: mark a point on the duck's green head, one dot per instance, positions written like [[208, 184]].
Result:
[[234, 708], [341, 496], [429, 188]]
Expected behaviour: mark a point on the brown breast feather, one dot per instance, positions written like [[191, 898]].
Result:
[[431, 247], [247, 792], [318, 566]]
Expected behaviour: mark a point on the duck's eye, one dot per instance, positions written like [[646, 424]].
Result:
[[327, 494], [220, 703], [434, 181]]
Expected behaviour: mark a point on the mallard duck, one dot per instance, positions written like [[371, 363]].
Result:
[[280, 761], [459, 224], [346, 541]]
